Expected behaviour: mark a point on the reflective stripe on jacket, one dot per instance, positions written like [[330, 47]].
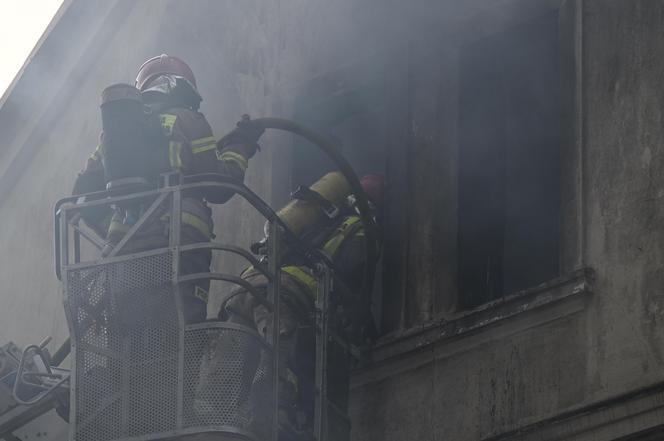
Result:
[[298, 283], [195, 214], [192, 149], [349, 228], [302, 275]]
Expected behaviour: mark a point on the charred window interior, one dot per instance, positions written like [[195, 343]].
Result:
[[509, 161]]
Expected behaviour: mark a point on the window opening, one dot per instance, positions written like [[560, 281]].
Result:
[[509, 161]]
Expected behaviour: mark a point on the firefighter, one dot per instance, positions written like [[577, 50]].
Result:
[[167, 87], [343, 240]]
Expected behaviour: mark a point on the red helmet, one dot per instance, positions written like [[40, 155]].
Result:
[[163, 65], [374, 187]]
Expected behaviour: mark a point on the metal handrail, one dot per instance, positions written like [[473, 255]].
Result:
[[233, 249], [200, 181], [231, 279], [110, 197], [311, 255], [171, 196], [21, 375]]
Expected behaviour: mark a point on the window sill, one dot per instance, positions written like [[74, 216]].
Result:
[[549, 301]]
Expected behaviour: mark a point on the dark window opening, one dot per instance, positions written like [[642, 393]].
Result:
[[509, 162]]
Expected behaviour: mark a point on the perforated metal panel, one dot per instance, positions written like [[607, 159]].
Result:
[[127, 337], [227, 379], [126, 348]]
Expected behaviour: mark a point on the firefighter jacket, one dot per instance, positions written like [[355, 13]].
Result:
[[344, 243], [192, 149], [345, 246]]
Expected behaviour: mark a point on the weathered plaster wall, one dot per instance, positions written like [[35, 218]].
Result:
[[470, 390], [615, 345], [623, 71]]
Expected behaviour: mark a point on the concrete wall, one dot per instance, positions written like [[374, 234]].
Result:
[[624, 185], [438, 373], [464, 388]]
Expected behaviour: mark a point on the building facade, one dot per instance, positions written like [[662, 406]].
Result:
[[520, 292]]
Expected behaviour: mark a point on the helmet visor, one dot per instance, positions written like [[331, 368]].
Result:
[[161, 84]]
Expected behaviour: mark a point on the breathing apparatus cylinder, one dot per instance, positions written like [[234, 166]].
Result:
[[133, 144], [301, 215]]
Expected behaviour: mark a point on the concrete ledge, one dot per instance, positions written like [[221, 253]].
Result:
[[613, 419], [414, 347]]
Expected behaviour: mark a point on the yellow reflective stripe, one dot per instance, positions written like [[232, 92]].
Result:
[[201, 145], [204, 148], [247, 271], [96, 154], [172, 154], [168, 121], [302, 276], [196, 222], [193, 221], [234, 157], [332, 245], [201, 294], [187, 218], [292, 379], [178, 152], [203, 141], [118, 227], [174, 151], [104, 224]]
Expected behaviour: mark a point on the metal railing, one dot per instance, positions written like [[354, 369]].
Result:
[[137, 367], [93, 290], [132, 377], [44, 381]]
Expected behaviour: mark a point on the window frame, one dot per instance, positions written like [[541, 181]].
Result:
[[438, 300]]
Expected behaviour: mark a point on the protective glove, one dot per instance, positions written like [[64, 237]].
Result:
[[246, 132]]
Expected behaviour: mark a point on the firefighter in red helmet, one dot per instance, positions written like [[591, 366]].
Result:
[[167, 87], [163, 65], [342, 239]]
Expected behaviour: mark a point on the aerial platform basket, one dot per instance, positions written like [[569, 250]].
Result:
[[139, 372]]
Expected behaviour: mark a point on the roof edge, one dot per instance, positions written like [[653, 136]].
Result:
[[62, 10]]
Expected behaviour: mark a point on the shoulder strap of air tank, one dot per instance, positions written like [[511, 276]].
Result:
[[349, 227]]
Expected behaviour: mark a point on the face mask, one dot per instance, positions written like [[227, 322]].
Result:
[[171, 89], [162, 84]]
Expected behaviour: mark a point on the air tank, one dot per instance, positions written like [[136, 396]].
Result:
[[300, 215]]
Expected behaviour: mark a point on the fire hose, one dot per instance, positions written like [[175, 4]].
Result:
[[345, 168]]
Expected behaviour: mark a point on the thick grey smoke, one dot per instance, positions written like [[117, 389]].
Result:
[[379, 78]]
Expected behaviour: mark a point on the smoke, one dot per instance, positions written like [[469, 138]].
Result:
[[382, 79]]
